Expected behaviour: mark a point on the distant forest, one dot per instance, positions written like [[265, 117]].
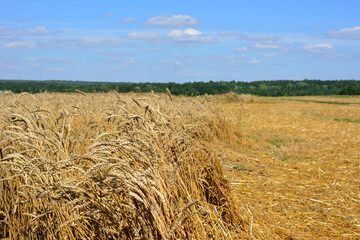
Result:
[[261, 88]]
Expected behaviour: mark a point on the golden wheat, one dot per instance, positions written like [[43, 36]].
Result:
[[111, 166]]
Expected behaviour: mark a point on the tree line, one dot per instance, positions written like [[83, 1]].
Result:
[[262, 88]]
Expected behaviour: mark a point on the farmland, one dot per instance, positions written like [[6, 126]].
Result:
[[297, 166], [157, 166]]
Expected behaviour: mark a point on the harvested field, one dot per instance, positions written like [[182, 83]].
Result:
[[146, 166], [297, 168]]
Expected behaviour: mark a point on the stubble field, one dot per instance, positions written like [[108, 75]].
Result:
[[147, 166], [297, 166]]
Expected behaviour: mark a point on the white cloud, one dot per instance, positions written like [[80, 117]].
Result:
[[261, 46], [130, 60], [7, 66], [200, 74], [231, 56], [328, 52], [109, 14], [352, 33], [32, 59], [38, 31], [9, 31], [230, 60], [128, 20], [270, 55], [19, 45], [119, 67], [57, 69], [180, 55], [321, 48], [142, 35], [182, 33], [339, 56], [261, 37], [254, 61], [189, 35], [172, 21], [249, 37], [21, 32], [124, 63], [241, 49], [80, 43]]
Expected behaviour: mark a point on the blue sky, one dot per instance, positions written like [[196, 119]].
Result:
[[179, 41]]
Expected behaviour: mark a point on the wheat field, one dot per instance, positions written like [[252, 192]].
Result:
[[157, 166], [297, 166]]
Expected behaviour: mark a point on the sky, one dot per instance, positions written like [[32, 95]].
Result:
[[179, 41]]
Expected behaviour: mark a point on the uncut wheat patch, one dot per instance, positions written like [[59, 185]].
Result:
[[109, 166]]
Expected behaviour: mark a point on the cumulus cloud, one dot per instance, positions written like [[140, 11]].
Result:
[[351, 33], [321, 48], [185, 36], [109, 14], [172, 21], [189, 35], [186, 32], [328, 52], [128, 20], [22, 32], [249, 37]]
